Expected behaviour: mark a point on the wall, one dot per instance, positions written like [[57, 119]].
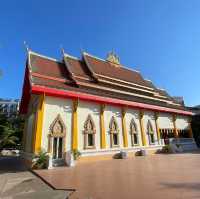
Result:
[[84, 109], [149, 116], [29, 133], [133, 114], [108, 113], [182, 122], [165, 120], [53, 107]]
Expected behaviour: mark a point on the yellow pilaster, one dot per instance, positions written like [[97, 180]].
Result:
[[190, 129], [103, 133], [39, 123], [75, 126], [174, 123], [124, 128], [141, 115], [157, 126]]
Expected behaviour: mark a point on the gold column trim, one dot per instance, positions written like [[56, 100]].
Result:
[[175, 129], [39, 124], [75, 125], [102, 126], [156, 114], [124, 130], [141, 116]]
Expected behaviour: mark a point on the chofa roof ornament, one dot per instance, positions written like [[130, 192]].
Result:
[[113, 58]]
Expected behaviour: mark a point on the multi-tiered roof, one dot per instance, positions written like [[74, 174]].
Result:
[[94, 79]]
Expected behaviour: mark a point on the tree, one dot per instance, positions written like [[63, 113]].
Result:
[[11, 130]]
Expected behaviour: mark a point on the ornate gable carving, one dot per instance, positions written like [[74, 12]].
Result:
[[113, 58], [113, 125], [57, 128], [133, 127], [89, 126], [149, 127]]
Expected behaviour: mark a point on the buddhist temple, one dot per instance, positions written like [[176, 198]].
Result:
[[96, 106]]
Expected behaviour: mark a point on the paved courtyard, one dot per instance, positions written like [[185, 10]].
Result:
[[157, 176], [16, 182]]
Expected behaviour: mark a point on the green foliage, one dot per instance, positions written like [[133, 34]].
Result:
[[138, 153], [76, 153], [141, 152], [11, 130], [166, 149], [8, 138], [40, 161]]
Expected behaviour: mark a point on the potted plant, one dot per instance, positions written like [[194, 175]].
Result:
[[71, 157], [76, 154], [166, 149], [40, 161], [141, 152]]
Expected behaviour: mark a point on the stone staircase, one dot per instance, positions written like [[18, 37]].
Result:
[[187, 144], [58, 162]]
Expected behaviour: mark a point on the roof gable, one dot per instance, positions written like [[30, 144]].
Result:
[[95, 76], [105, 68]]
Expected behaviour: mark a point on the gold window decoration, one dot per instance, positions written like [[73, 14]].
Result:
[[150, 133], [134, 133], [56, 138], [114, 132], [89, 133]]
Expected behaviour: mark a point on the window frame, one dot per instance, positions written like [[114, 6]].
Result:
[[114, 131], [133, 133], [150, 132], [88, 132]]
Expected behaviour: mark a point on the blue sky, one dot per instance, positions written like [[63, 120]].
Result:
[[161, 39]]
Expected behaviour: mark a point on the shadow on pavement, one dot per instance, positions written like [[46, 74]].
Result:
[[174, 185], [17, 182]]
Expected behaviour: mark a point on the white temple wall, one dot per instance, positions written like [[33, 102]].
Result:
[[29, 133], [182, 122], [54, 106], [165, 121], [150, 116], [108, 113], [84, 109], [133, 114]]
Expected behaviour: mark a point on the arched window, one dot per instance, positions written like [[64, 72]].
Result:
[[114, 132], [150, 133], [89, 133], [134, 133], [57, 138]]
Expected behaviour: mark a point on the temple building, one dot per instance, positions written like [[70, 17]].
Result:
[[96, 106]]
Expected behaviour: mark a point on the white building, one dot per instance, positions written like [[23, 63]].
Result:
[[95, 106], [9, 107]]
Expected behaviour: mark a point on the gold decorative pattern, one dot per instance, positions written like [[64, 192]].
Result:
[[57, 130], [89, 128], [133, 131], [113, 58], [141, 115], [124, 127], [114, 131], [103, 135], [156, 115]]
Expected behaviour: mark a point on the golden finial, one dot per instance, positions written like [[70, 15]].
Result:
[[113, 58]]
